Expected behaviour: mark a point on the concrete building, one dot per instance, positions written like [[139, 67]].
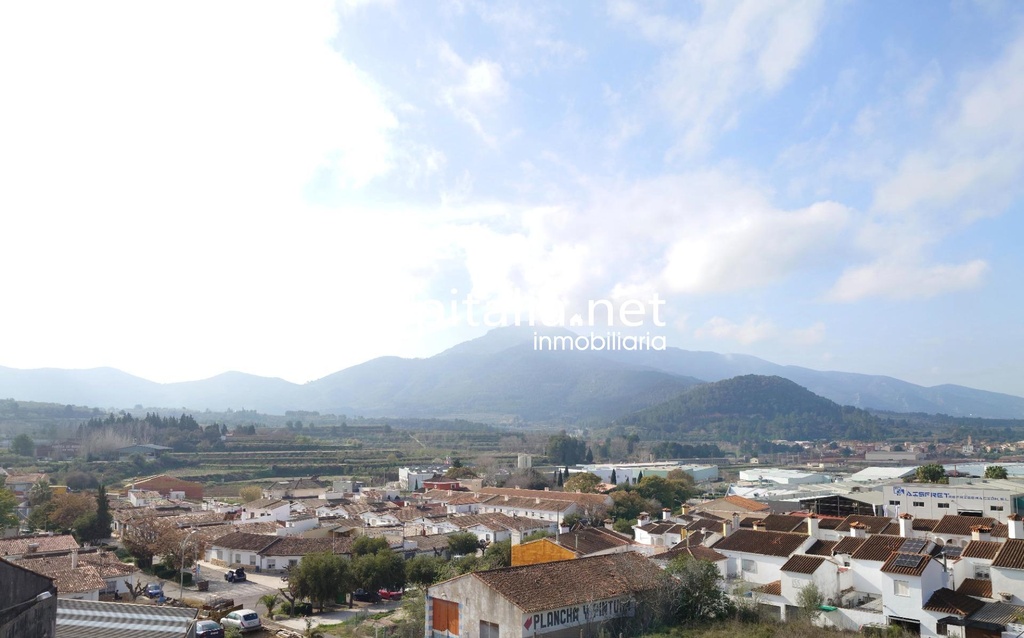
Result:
[[412, 478], [167, 486], [28, 603], [889, 456], [781, 476], [628, 472], [564, 599], [995, 499]]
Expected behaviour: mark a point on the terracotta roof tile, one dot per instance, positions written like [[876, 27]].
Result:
[[906, 564], [764, 543], [773, 588], [20, 544], [878, 548], [1011, 556], [982, 549], [746, 503], [786, 523], [698, 552], [873, 524], [981, 587], [802, 564], [822, 548], [535, 588], [947, 601], [587, 540], [848, 545], [924, 524], [957, 525]]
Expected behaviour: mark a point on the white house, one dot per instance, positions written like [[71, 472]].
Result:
[[265, 509]]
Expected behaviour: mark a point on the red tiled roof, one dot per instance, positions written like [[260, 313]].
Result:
[[698, 552], [957, 525], [982, 549], [20, 544], [947, 601], [773, 588], [802, 564], [873, 524], [786, 523], [878, 548], [924, 524], [821, 548], [981, 587], [848, 545], [764, 543], [1011, 556], [535, 588], [746, 503], [920, 562]]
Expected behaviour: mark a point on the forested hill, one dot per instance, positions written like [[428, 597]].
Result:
[[755, 407]]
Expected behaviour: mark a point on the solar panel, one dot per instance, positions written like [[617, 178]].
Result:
[[952, 551], [913, 546], [907, 560]]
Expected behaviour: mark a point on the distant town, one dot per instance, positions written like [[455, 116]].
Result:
[[370, 528]]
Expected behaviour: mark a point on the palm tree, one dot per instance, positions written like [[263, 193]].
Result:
[[269, 601]]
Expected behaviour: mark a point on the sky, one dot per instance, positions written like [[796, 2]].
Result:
[[289, 189]]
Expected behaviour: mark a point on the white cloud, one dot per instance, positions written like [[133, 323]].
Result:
[[752, 330], [809, 336], [906, 280], [474, 90], [730, 52]]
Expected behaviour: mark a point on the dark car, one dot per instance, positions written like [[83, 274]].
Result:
[[154, 590], [235, 575], [364, 596], [209, 629]]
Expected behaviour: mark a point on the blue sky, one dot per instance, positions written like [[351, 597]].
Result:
[[283, 188]]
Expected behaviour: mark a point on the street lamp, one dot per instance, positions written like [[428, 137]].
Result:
[[41, 596], [181, 576]]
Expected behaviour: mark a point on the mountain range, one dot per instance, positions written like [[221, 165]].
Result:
[[498, 377]]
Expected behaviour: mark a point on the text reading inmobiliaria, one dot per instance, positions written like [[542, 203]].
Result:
[[623, 319]]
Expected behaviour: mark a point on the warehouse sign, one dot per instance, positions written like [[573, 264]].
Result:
[[576, 615], [960, 496]]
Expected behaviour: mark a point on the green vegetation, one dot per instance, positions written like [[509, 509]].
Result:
[[931, 473], [995, 472]]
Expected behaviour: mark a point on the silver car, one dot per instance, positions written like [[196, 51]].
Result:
[[244, 619]]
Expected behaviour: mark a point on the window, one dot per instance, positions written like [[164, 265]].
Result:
[[944, 506], [982, 572], [238, 558], [901, 587], [918, 503], [488, 629], [292, 562], [894, 502], [271, 563], [252, 560], [748, 566], [445, 616], [996, 508]]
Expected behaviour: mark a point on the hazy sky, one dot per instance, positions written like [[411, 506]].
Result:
[[282, 188]]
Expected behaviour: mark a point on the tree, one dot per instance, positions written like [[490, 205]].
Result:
[[71, 507], [423, 570], [269, 601], [8, 505], [384, 568], [459, 472], [931, 473], [627, 505], [369, 545], [23, 445], [585, 482], [463, 543], [498, 554], [96, 526], [561, 478], [250, 493], [666, 492], [40, 498], [614, 479], [810, 600], [995, 472], [589, 458], [698, 595], [321, 577], [563, 449]]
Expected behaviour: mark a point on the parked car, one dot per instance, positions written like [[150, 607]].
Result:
[[209, 629], [390, 594], [364, 596], [235, 575], [154, 590], [244, 619]]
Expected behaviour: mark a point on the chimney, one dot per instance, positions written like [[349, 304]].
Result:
[[981, 533], [643, 519], [609, 524], [759, 525], [665, 513], [32, 547], [906, 525], [812, 525], [726, 528], [74, 559], [735, 521], [858, 530], [685, 509], [1015, 526]]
